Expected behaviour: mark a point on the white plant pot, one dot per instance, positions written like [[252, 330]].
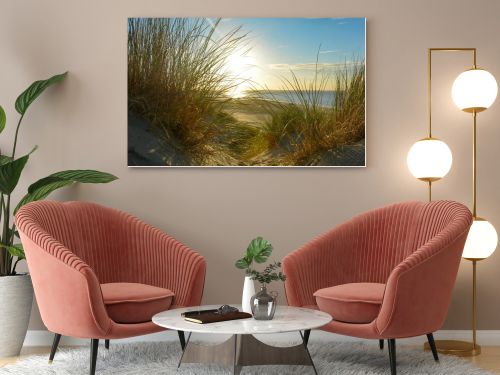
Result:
[[16, 298], [248, 292]]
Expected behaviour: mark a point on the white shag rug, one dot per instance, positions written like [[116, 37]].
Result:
[[162, 358]]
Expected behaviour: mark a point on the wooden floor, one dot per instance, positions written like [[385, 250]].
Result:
[[26, 352], [488, 360]]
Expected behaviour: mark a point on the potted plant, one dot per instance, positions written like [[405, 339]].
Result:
[[16, 291], [258, 251]]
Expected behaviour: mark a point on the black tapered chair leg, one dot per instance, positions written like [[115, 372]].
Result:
[[182, 339], [94, 346], [392, 355], [307, 333], [381, 344], [55, 344], [432, 344], [106, 344]]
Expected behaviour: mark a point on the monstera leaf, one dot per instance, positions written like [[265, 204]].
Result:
[[258, 250], [242, 263], [31, 93], [43, 187]]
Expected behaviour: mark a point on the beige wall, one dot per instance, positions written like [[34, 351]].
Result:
[[83, 124]]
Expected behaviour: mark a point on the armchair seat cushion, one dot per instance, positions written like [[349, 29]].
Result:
[[135, 303], [351, 303]]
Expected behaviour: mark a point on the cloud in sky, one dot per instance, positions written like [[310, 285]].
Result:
[[328, 51], [312, 66], [342, 23]]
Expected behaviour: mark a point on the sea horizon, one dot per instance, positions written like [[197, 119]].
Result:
[[326, 97]]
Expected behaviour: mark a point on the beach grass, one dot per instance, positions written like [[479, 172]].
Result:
[[177, 82], [302, 128]]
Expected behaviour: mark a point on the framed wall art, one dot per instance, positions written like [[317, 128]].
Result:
[[246, 92]]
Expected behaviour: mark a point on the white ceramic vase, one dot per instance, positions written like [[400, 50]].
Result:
[[16, 298], [248, 292]]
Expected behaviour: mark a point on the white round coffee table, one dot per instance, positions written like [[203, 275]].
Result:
[[242, 348]]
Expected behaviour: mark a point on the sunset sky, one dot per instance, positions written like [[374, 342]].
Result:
[[278, 45]]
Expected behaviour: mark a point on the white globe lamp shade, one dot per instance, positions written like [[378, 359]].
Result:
[[429, 159], [481, 241], [474, 90]]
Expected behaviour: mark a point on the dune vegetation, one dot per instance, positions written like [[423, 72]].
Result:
[[178, 84], [301, 128], [176, 81]]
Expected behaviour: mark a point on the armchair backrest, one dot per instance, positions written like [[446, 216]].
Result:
[[92, 232], [379, 241], [386, 236], [368, 247]]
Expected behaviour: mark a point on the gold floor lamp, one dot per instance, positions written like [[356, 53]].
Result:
[[430, 159]]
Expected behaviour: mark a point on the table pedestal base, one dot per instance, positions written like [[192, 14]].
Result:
[[246, 350]]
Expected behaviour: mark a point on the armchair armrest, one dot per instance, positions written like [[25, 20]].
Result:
[[67, 290], [419, 289]]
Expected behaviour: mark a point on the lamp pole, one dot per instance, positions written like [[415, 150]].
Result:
[[454, 347], [429, 96], [474, 215], [474, 165]]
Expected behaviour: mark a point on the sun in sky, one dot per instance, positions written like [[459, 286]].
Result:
[[242, 65], [278, 46]]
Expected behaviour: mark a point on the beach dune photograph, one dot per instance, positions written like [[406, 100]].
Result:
[[246, 92]]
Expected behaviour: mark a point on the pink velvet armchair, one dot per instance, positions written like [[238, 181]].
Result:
[[385, 274], [99, 273]]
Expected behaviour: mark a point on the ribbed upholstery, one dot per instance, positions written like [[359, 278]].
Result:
[[87, 245], [386, 246]]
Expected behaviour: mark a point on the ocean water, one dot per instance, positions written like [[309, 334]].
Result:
[[326, 98]]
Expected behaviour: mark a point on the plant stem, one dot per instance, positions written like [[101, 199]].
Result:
[[3, 252], [13, 271], [6, 235], [15, 137], [11, 242]]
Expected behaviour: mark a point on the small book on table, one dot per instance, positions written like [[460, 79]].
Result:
[[213, 316]]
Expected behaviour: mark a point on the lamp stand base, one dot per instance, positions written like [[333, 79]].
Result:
[[456, 348]]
